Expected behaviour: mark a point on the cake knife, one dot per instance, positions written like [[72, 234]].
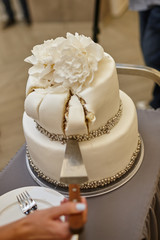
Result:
[[73, 173]]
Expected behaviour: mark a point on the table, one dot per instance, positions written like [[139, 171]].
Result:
[[131, 212]]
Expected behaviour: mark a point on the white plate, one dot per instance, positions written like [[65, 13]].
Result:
[[9, 207]]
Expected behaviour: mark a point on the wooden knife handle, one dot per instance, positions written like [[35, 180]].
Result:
[[75, 220]]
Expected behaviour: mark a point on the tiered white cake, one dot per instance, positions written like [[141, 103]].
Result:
[[73, 92]]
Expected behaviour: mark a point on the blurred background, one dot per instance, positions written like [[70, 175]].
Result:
[[119, 36]]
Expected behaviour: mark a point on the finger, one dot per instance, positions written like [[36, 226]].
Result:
[[83, 200], [67, 209], [61, 230], [64, 200]]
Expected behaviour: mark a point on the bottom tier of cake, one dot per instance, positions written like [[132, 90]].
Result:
[[106, 157]]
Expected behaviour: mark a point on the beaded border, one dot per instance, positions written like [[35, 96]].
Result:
[[92, 184], [85, 137]]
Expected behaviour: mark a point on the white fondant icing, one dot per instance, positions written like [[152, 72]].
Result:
[[103, 156], [32, 104], [102, 97], [51, 112], [75, 109]]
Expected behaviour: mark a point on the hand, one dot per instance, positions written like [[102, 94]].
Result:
[[85, 212], [43, 224]]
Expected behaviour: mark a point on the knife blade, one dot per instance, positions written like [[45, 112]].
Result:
[[73, 173]]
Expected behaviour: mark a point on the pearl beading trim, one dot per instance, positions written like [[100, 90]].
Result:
[[85, 137], [92, 184]]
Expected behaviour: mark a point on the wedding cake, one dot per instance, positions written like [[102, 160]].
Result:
[[73, 93]]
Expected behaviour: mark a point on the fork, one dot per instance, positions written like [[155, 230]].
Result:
[[26, 203], [25, 207], [33, 204]]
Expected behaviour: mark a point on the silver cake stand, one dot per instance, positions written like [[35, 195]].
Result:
[[96, 191]]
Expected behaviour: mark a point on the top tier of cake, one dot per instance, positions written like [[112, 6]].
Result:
[[65, 93]]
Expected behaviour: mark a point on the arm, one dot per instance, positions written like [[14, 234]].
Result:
[[43, 224]]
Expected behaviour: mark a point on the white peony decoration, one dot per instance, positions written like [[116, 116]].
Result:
[[68, 62]]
